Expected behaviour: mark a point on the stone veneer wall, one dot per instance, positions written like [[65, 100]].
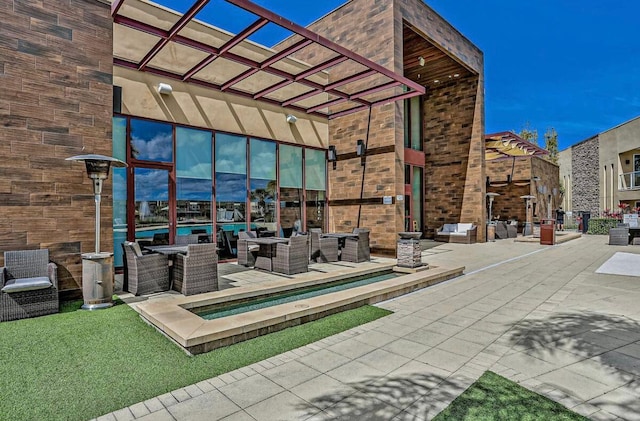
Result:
[[55, 102], [585, 164]]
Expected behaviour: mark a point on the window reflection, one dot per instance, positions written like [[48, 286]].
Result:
[[193, 183], [263, 185], [152, 205], [231, 182], [151, 141], [315, 184], [290, 189]]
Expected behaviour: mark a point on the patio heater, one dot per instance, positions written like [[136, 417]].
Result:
[[491, 196], [527, 225], [97, 267]]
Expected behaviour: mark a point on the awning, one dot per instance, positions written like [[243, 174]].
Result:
[[506, 145], [231, 63]]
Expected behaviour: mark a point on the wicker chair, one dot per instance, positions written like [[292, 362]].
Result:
[[323, 248], [145, 273], [197, 271], [29, 285], [247, 252], [292, 258], [619, 236], [501, 230], [183, 240], [512, 229], [356, 249]]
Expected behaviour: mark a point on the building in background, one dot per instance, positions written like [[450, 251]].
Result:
[[516, 168], [603, 172]]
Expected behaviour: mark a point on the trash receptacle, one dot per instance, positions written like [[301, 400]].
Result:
[[548, 232], [585, 221]]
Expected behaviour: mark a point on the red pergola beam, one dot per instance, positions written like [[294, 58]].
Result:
[[177, 27], [306, 33], [226, 47], [266, 16]]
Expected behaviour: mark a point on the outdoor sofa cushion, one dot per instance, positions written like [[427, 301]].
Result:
[[27, 284]]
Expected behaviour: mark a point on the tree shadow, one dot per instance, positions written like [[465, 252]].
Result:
[[411, 396], [601, 339]]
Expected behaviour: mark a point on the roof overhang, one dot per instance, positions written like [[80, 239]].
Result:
[[505, 145], [276, 77]]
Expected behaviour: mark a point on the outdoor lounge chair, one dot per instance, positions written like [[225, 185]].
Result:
[[29, 285], [145, 273], [619, 236], [246, 251], [293, 257], [356, 249], [197, 271], [324, 249], [501, 230], [465, 233]]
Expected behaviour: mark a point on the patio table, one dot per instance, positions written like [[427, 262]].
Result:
[[171, 251], [267, 251], [341, 236]]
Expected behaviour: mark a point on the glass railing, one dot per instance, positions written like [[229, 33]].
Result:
[[629, 181]]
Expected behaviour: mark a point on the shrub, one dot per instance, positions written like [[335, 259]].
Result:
[[601, 225]]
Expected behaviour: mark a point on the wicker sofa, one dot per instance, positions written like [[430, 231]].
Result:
[[465, 233], [28, 285]]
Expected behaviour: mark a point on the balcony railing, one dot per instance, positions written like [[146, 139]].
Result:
[[629, 181]]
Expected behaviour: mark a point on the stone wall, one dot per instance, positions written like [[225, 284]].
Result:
[[55, 102], [585, 166]]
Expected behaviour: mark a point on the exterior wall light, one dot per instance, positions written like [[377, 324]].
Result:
[[164, 89], [361, 150], [291, 119], [332, 155]]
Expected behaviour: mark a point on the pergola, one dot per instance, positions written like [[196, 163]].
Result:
[[278, 78], [506, 145]]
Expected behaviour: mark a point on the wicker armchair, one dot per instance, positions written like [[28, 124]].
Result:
[[145, 273], [183, 240], [29, 285], [247, 252], [197, 271], [292, 258], [356, 249], [502, 231], [512, 229], [323, 248]]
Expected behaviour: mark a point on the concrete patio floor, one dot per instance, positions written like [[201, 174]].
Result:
[[538, 315]]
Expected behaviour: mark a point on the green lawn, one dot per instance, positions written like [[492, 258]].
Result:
[[493, 397], [78, 365]]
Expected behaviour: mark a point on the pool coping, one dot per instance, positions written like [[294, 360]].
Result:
[[173, 317]]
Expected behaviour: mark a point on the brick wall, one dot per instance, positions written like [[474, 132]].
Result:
[[461, 114], [585, 165], [455, 175], [55, 102]]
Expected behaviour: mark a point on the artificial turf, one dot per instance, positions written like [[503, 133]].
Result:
[[78, 365], [493, 397]]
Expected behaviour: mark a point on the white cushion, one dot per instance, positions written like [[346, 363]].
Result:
[[463, 228], [449, 228], [27, 284]]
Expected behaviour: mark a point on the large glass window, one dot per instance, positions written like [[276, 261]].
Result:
[[263, 184], [315, 186], [152, 205], [231, 182], [119, 177], [413, 123], [193, 181], [290, 189], [151, 141]]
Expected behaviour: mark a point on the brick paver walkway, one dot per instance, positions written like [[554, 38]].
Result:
[[538, 315]]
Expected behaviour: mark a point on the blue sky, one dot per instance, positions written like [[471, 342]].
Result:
[[573, 65]]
